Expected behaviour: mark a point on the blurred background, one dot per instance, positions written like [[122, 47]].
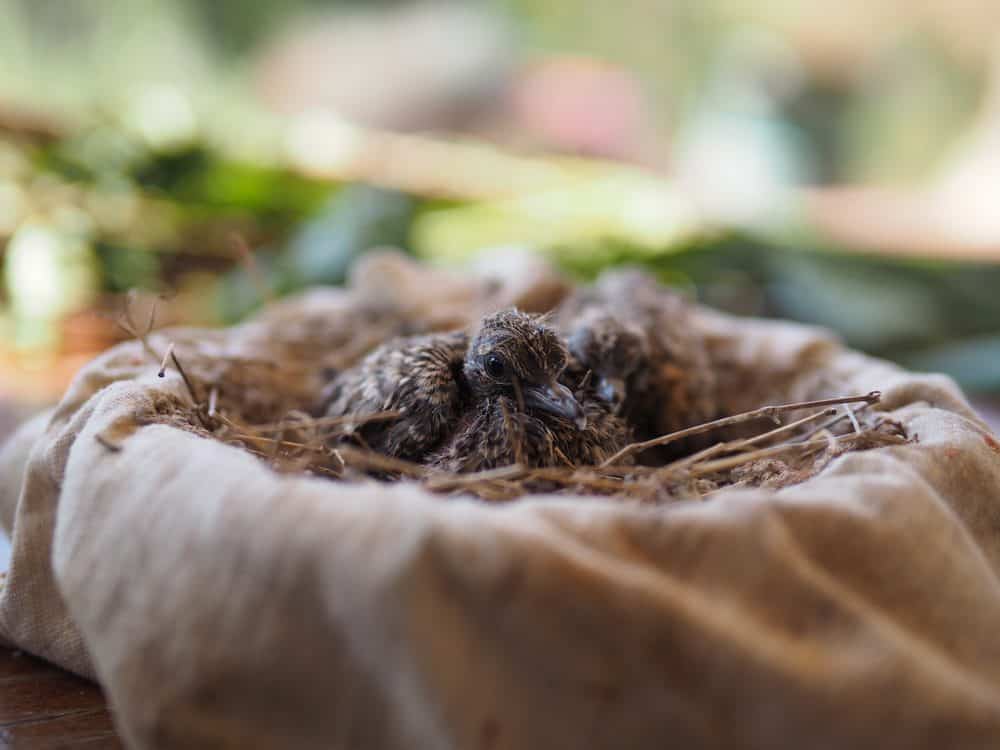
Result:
[[837, 164]]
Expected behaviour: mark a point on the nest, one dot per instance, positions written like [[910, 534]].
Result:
[[262, 407]]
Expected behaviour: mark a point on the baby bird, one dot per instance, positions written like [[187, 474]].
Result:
[[654, 368], [473, 403], [604, 354]]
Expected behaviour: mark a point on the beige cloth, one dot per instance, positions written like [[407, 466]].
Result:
[[222, 605]]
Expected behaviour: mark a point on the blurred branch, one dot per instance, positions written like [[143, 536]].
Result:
[[30, 126], [328, 148], [893, 222]]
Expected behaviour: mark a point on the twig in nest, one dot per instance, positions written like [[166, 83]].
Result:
[[352, 419], [794, 425], [733, 445], [573, 477], [369, 459], [172, 356], [276, 446], [832, 423], [130, 327], [187, 380], [339, 471], [566, 460], [711, 467], [766, 412], [127, 323], [151, 323], [442, 481], [213, 397], [279, 442], [854, 419], [166, 357]]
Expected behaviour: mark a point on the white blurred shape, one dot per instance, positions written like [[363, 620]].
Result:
[[162, 114], [48, 273], [319, 140], [737, 169], [737, 156]]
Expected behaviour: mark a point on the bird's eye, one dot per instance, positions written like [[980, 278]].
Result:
[[495, 366]]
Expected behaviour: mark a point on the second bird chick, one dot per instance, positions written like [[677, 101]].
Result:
[[604, 353]]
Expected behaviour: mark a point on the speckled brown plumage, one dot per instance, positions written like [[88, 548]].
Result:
[[646, 353], [471, 403], [417, 376], [604, 354], [493, 433]]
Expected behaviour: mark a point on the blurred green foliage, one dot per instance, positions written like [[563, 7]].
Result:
[[934, 315], [322, 248], [148, 200], [237, 27]]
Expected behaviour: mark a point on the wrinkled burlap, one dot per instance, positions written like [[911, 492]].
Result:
[[223, 605]]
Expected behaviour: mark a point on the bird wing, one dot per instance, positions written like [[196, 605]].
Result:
[[417, 377]]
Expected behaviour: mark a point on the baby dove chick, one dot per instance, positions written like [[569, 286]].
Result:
[[645, 353], [604, 354], [470, 404], [417, 376]]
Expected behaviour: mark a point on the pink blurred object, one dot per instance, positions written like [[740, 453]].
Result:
[[581, 105]]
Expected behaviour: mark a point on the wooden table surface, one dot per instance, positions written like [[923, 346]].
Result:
[[44, 708]]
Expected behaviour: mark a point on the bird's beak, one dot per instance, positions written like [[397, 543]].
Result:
[[612, 390], [556, 399]]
